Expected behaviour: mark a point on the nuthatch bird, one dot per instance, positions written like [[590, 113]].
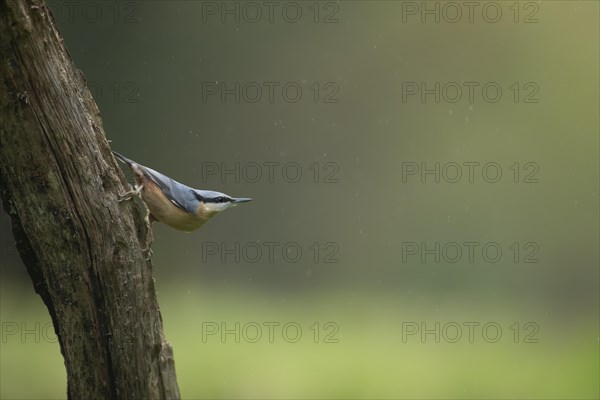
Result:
[[173, 203]]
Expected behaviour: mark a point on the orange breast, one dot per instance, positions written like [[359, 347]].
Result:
[[168, 213]]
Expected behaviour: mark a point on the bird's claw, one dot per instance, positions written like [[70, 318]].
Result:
[[124, 196], [131, 194]]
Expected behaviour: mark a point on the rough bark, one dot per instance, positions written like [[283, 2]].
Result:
[[60, 184]]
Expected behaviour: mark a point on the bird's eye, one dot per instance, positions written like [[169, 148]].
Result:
[[220, 199]]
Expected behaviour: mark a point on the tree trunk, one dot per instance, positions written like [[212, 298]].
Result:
[[81, 247]]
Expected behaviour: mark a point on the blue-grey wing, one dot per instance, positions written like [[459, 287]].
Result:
[[181, 195]]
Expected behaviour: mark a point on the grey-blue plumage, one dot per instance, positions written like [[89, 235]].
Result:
[[164, 196]]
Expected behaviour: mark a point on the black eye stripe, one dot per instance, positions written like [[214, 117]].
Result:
[[215, 200]]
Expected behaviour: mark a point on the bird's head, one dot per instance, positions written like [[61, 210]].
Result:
[[212, 203]]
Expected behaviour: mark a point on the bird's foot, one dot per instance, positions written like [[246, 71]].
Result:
[[131, 194]]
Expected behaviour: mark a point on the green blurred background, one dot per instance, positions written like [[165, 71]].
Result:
[[149, 63]]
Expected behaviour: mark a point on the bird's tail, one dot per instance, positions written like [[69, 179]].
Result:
[[123, 158]]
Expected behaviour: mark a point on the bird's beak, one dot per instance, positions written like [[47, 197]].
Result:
[[241, 200]]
